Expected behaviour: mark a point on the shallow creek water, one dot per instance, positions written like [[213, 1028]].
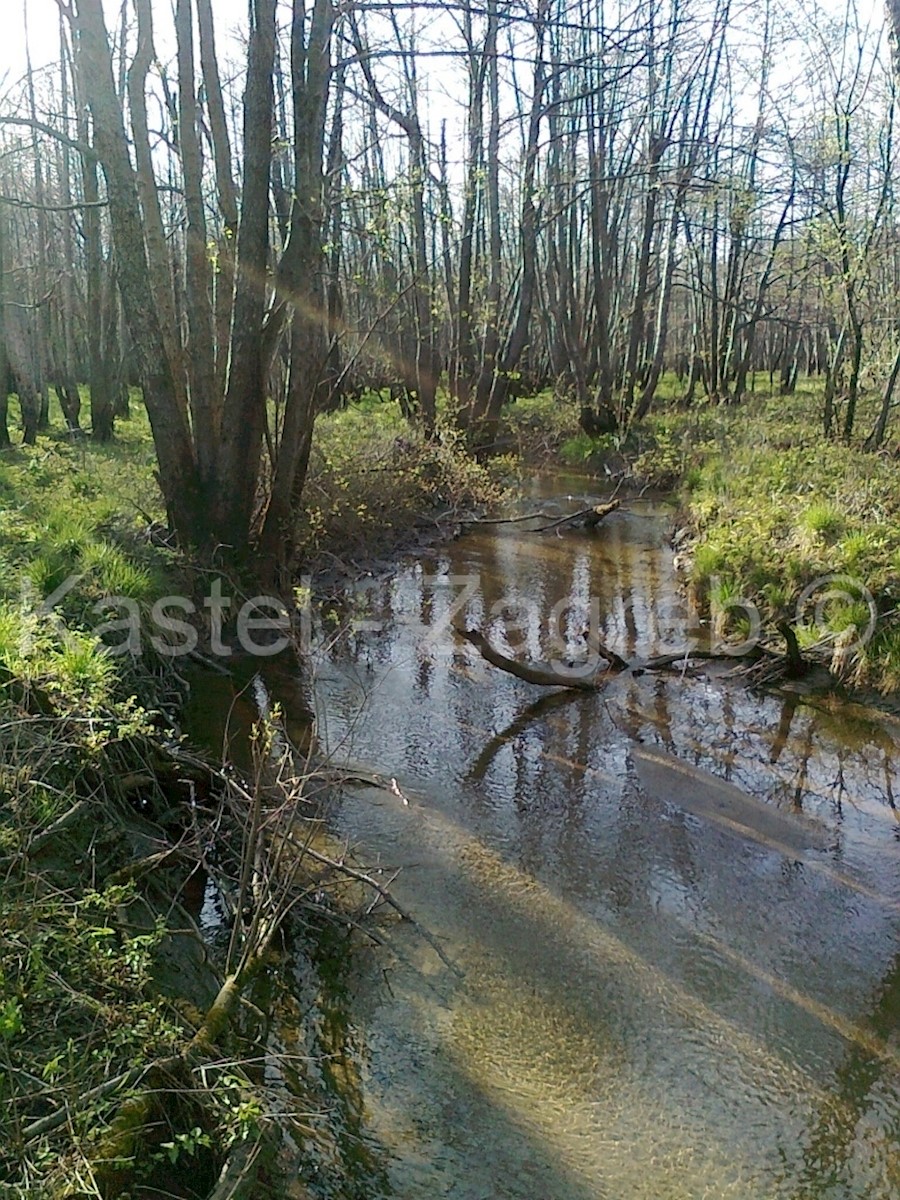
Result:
[[649, 1005]]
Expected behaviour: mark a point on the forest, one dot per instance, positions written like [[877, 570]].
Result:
[[450, 205], [534, 835]]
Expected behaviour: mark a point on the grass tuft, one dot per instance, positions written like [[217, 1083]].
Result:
[[823, 520]]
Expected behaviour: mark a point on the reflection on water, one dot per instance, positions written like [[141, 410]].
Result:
[[652, 1006]]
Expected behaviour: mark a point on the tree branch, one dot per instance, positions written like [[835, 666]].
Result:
[[73, 143]]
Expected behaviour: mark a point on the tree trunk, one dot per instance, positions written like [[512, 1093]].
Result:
[[64, 338], [243, 420], [160, 273], [519, 334], [4, 358], [301, 279], [419, 362], [42, 315], [225, 189], [491, 345], [876, 438], [167, 419], [462, 353], [201, 346]]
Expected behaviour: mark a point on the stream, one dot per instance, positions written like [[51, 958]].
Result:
[[654, 1001]]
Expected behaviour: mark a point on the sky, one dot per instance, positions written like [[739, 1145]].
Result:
[[43, 25], [43, 21], [443, 90]]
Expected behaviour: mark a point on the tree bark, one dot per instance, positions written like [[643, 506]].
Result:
[[243, 419], [490, 349], [876, 438], [201, 347], [420, 363], [160, 272], [170, 430], [4, 357], [543, 674], [528, 231], [41, 352], [225, 188], [301, 279], [462, 352]]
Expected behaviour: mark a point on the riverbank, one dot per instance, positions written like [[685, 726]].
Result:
[[781, 525], [122, 1073], [376, 486], [113, 1035], [797, 528], [106, 818], [105, 982]]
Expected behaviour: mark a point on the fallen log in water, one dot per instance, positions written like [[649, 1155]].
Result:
[[559, 673], [585, 518], [584, 676]]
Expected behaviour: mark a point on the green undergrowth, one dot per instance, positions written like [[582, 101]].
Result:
[[373, 481], [74, 520], [74, 547], [103, 979], [545, 426], [805, 528], [82, 736]]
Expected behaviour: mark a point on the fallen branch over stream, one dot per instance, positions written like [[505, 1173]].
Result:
[[585, 518], [587, 677], [542, 674]]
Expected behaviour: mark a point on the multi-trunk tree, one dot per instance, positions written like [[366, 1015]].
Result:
[[483, 199], [228, 471]]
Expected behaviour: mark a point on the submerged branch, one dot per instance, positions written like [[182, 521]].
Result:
[[385, 895]]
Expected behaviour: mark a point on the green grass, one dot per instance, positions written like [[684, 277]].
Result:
[[777, 507], [83, 958], [73, 524], [823, 520], [77, 1002]]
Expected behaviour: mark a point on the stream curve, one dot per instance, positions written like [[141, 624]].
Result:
[[652, 1005]]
